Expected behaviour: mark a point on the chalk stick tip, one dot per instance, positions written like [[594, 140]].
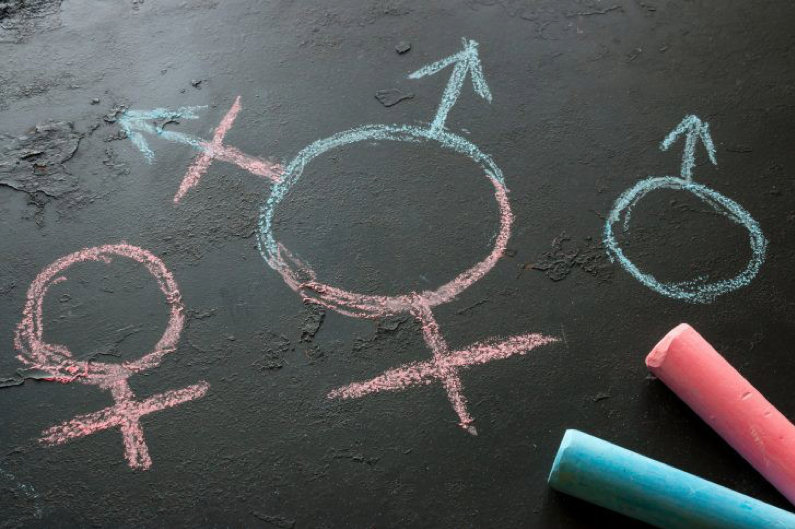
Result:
[[568, 438], [657, 356]]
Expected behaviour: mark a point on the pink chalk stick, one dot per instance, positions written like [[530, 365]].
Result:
[[726, 401]]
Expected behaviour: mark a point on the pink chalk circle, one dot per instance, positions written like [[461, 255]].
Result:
[[301, 278], [57, 359]]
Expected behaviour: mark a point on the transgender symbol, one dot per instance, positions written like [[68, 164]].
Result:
[[697, 290], [57, 360], [444, 365]]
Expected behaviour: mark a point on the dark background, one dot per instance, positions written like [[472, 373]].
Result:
[[584, 91]]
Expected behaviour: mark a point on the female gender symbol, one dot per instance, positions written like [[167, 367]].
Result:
[[445, 364], [57, 360], [698, 290]]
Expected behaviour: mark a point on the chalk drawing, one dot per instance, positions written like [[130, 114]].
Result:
[[466, 61], [137, 122], [445, 365], [58, 361], [698, 290], [694, 129]]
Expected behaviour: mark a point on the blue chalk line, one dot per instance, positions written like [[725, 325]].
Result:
[[697, 290], [466, 61], [694, 129]]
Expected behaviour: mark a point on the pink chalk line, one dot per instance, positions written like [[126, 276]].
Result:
[[301, 278], [126, 415], [444, 366], [58, 361], [216, 149]]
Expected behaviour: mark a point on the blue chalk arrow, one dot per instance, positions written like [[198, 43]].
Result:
[[693, 129], [137, 122], [466, 62]]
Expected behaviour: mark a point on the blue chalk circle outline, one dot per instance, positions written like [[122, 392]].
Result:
[[698, 290], [465, 63], [403, 133]]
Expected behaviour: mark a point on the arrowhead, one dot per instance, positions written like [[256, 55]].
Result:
[[693, 129], [136, 122], [469, 60]]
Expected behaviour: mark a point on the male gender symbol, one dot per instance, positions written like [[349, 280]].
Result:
[[58, 361], [445, 364], [697, 290]]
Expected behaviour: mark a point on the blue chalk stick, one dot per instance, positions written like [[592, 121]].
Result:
[[610, 476]]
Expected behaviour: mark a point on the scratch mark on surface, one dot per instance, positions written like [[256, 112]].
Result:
[[596, 12]]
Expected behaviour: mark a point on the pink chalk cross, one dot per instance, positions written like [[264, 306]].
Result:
[[444, 367], [125, 414], [59, 362], [216, 149]]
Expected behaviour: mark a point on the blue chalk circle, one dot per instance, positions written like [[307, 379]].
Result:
[[465, 63], [402, 133], [698, 290], [618, 479]]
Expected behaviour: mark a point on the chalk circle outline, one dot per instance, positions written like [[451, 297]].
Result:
[[300, 277], [694, 291], [56, 359]]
